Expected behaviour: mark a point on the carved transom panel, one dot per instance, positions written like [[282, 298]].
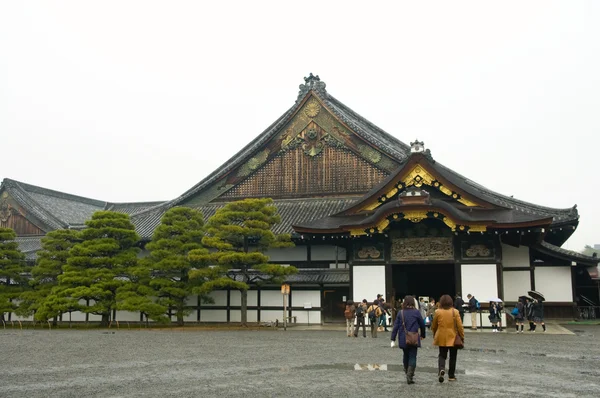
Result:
[[407, 249]]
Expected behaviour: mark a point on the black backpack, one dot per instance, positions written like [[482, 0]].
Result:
[[373, 312], [359, 310]]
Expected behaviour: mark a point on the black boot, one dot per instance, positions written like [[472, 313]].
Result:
[[405, 370], [410, 375]]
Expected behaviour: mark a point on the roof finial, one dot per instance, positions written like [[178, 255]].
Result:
[[314, 83], [417, 146]]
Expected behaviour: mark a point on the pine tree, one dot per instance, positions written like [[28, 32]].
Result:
[[230, 233], [98, 265], [181, 230], [13, 271], [56, 246]]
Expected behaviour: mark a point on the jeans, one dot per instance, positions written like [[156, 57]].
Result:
[[382, 320], [410, 357], [442, 359], [360, 320]]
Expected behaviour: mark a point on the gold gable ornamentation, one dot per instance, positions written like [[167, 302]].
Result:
[[418, 177], [312, 108], [5, 208], [357, 232], [369, 153], [253, 164], [410, 249]]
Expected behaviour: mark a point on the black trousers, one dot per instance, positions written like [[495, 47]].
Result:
[[442, 359], [360, 320]]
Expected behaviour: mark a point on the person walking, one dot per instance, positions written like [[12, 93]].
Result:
[[520, 316], [349, 314], [473, 307], [360, 311], [422, 307], [383, 316], [458, 304], [409, 319], [445, 326], [529, 313], [538, 315], [494, 316], [374, 312], [431, 307]]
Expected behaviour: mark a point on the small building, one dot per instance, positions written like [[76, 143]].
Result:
[[369, 215]]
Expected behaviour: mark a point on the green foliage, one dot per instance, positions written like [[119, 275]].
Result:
[[56, 247], [231, 233], [13, 271], [181, 231], [97, 266]]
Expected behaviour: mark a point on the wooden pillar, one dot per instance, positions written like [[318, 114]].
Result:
[[458, 278], [198, 305], [258, 304], [228, 305], [500, 280]]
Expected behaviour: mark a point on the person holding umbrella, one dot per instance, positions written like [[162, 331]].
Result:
[[537, 309], [494, 316]]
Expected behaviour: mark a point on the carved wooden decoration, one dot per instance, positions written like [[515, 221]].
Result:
[[369, 252], [477, 250], [407, 249]]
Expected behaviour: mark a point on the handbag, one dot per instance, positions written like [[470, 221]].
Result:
[[412, 338], [458, 341]]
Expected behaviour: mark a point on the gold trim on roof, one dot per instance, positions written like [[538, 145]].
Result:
[[418, 177]]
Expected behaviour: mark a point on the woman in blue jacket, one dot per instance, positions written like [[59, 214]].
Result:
[[409, 319]]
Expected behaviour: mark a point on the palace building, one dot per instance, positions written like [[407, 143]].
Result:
[[369, 215]]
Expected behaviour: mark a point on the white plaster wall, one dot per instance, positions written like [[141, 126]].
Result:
[[296, 253], [220, 297], [516, 283], [213, 315], [236, 315], [300, 297], [554, 283], [236, 298], [124, 316], [479, 280], [338, 265], [368, 281], [271, 315], [319, 253], [515, 256], [307, 317], [272, 298]]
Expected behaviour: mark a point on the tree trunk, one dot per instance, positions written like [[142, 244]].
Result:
[[54, 321], [179, 318], [105, 319], [244, 302]]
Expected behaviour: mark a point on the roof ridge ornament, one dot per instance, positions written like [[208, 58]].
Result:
[[311, 82], [419, 147]]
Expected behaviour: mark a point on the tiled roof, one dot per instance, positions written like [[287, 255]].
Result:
[[315, 276], [133, 207], [53, 208], [569, 255], [29, 245], [292, 211]]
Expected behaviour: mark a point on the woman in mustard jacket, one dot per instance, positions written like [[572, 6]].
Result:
[[445, 325]]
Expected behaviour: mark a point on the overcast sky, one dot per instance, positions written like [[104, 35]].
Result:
[[139, 100]]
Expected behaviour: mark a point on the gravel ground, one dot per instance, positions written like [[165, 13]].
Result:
[[96, 363]]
